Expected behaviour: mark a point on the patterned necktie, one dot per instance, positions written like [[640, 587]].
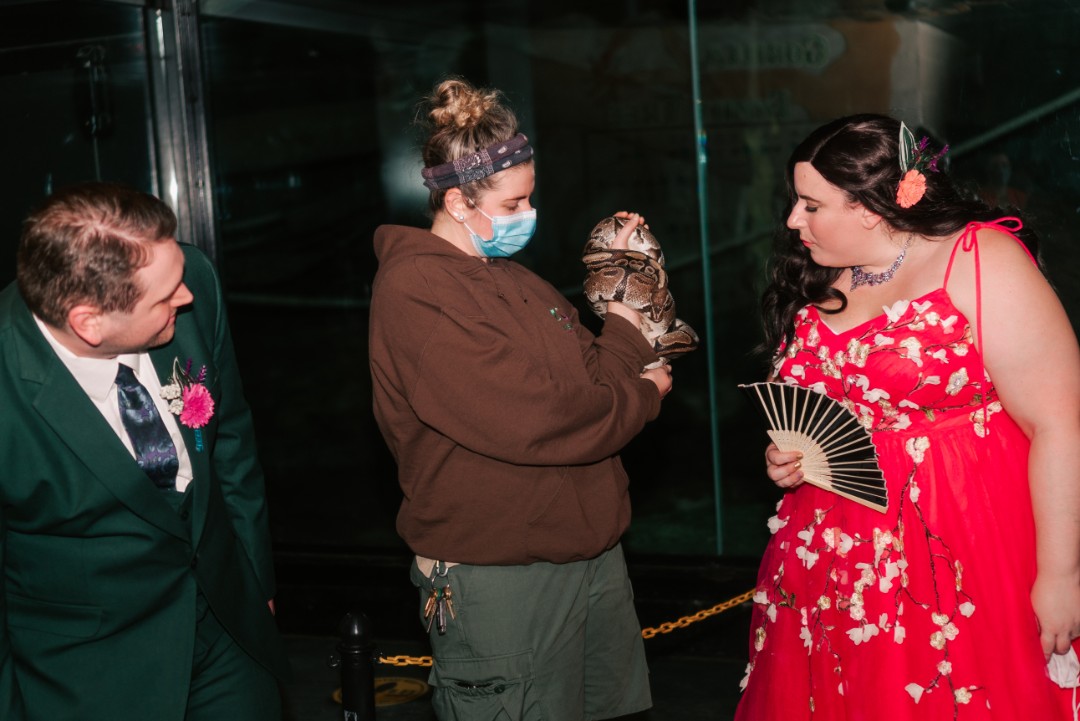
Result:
[[154, 449]]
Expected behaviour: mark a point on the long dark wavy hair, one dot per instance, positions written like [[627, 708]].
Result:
[[859, 154]]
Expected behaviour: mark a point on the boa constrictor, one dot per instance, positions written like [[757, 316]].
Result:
[[636, 278]]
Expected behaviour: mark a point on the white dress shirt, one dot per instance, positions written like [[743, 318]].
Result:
[[97, 377]]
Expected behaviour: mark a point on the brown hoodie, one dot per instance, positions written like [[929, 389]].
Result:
[[505, 415]]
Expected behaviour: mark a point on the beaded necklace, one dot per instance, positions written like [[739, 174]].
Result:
[[860, 277]]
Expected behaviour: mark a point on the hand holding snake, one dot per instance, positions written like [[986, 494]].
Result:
[[625, 265]]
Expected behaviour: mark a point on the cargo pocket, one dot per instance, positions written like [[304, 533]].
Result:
[[496, 688]]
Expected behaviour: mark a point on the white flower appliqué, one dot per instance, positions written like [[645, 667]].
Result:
[[863, 633], [916, 448], [914, 350], [775, 523], [896, 311]]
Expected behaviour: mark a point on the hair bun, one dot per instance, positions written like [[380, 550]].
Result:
[[462, 119], [458, 104]]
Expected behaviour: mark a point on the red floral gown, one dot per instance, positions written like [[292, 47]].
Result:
[[922, 612]]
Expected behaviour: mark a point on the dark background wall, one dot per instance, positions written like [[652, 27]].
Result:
[[683, 111]]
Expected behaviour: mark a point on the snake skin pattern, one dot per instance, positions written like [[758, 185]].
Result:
[[636, 278]]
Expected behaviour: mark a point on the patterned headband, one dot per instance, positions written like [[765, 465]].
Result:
[[478, 165]]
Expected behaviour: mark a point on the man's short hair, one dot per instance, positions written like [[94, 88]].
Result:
[[84, 246]]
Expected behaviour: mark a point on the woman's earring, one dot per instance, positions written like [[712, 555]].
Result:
[[460, 217]]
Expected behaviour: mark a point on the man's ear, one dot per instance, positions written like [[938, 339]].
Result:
[[86, 322]]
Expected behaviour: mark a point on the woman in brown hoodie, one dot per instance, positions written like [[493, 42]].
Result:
[[506, 416]]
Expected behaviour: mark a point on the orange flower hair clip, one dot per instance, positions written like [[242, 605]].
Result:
[[915, 160]]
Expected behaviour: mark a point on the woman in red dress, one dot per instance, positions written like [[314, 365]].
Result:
[[923, 314]]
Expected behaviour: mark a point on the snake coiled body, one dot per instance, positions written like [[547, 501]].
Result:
[[636, 278]]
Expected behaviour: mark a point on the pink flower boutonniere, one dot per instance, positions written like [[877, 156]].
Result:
[[189, 398]]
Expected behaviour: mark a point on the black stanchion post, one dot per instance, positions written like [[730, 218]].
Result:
[[356, 658]]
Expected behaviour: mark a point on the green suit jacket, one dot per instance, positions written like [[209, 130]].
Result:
[[99, 571]]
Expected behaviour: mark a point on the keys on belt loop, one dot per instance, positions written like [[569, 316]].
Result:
[[441, 601]]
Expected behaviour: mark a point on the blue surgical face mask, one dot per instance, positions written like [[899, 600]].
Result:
[[509, 234]]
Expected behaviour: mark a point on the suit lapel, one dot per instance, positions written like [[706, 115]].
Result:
[[63, 405], [186, 344]]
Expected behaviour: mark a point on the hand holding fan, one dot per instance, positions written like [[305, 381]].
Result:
[[838, 453]]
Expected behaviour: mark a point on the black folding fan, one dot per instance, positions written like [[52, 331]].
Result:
[[838, 454]]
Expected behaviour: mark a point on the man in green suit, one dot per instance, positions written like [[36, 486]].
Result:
[[137, 581]]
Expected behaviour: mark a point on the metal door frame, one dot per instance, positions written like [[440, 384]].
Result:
[[180, 155]]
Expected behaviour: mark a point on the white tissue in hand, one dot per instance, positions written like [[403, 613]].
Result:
[[1064, 670]]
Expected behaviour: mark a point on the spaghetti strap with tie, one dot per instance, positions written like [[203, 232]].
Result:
[[969, 242]]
